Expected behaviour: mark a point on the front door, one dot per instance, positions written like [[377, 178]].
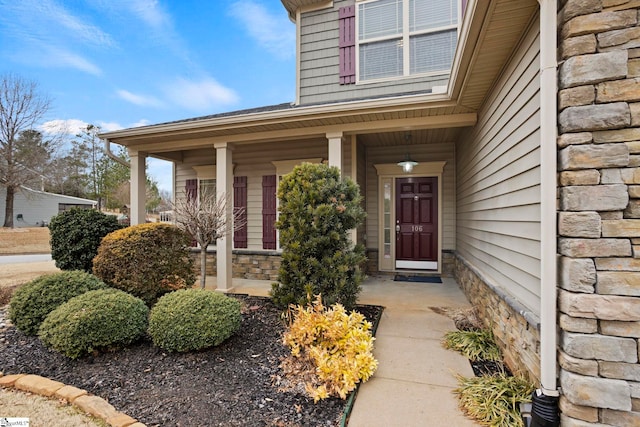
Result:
[[417, 223]]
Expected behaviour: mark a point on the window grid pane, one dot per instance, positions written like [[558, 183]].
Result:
[[387, 219], [432, 51], [380, 19], [207, 187], [428, 51], [381, 59], [431, 14]]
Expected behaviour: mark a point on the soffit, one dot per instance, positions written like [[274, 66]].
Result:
[[293, 5], [504, 25]]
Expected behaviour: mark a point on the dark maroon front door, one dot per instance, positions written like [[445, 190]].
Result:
[[417, 223]]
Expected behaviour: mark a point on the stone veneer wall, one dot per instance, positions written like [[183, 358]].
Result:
[[515, 330], [265, 265], [599, 212], [246, 264]]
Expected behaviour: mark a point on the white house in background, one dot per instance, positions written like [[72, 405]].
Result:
[[33, 208]]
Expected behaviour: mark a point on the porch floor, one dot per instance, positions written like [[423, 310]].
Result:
[[414, 383]]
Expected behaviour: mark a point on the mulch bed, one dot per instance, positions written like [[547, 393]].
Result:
[[229, 385]]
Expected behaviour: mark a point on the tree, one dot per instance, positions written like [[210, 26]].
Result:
[[22, 150], [97, 163], [66, 175], [317, 210], [205, 220]]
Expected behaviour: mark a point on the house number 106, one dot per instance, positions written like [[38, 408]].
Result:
[[417, 228]]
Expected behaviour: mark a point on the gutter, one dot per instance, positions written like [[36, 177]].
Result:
[[325, 111]]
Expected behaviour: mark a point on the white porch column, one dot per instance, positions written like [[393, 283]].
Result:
[[224, 188], [137, 212], [335, 149]]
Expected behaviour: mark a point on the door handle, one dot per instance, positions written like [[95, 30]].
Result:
[[398, 227]]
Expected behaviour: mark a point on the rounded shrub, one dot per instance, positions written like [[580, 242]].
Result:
[[146, 260], [32, 302], [95, 320], [76, 235], [193, 319]]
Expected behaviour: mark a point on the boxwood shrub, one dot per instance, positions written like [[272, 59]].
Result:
[[146, 260], [76, 235], [32, 302], [95, 320], [193, 319]]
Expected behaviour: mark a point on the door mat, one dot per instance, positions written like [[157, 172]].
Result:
[[421, 279]]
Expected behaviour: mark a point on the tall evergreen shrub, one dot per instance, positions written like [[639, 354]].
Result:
[[317, 210], [76, 235]]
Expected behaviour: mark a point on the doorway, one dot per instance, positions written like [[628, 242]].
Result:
[[416, 226]]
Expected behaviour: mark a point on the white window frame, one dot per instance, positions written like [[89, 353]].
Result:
[[205, 173], [405, 39]]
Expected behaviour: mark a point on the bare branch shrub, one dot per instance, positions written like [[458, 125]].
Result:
[[206, 219]]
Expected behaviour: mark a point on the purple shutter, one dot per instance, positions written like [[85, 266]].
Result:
[[347, 44], [191, 189], [240, 205], [269, 211]]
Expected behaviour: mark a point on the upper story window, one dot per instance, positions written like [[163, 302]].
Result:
[[400, 38]]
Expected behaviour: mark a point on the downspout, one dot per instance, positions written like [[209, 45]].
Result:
[[544, 409], [107, 149]]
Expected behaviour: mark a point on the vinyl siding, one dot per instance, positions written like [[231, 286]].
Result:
[[420, 153], [35, 207], [252, 161], [320, 70], [498, 176]]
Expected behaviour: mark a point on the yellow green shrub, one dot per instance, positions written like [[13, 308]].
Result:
[[145, 260], [337, 346]]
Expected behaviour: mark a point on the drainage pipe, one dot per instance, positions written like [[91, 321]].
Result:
[[107, 149], [548, 188]]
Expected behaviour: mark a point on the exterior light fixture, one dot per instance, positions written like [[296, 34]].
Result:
[[407, 164]]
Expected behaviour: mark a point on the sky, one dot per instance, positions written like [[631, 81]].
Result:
[[126, 63]]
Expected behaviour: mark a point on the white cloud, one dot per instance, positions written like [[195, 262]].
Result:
[[150, 12], [140, 123], [63, 58], [60, 126], [113, 126], [141, 100], [273, 32], [75, 26], [110, 126], [200, 95], [47, 21]]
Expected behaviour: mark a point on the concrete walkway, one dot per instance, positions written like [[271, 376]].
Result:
[[415, 378]]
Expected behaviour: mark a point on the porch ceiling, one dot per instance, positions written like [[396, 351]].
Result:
[[420, 136]]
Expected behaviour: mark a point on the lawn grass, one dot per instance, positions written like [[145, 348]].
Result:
[[16, 241]]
